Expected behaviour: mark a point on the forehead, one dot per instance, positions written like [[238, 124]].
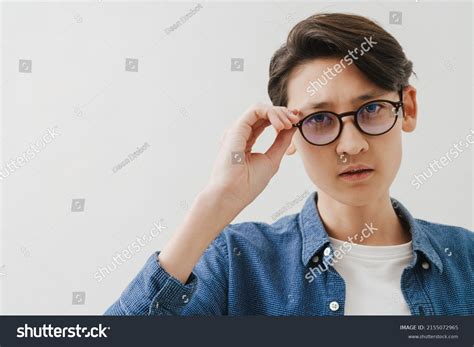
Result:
[[333, 85]]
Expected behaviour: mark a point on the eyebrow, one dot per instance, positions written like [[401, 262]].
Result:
[[363, 97]]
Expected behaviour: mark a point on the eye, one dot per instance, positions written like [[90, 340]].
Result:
[[321, 119], [372, 108]]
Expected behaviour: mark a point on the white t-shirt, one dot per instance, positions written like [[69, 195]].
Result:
[[372, 275]]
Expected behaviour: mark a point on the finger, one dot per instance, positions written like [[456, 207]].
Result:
[[255, 134], [282, 113], [276, 120], [295, 114], [277, 150], [243, 126], [287, 117], [259, 123]]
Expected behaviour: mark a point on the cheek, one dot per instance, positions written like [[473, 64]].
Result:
[[320, 162], [322, 165], [388, 153]]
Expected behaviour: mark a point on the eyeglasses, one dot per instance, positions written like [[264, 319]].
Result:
[[373, 118]]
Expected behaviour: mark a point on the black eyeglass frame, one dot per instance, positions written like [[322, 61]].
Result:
[[395, 104]]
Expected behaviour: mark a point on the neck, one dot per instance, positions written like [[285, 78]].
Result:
[[374, 224]]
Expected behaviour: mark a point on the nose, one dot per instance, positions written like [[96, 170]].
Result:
[[351, 140]]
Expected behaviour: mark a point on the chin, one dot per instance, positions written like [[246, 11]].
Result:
[[356, 196]]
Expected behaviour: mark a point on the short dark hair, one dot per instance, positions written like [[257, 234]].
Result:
[[333, 35]]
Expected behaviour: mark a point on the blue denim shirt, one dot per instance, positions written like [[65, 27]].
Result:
[[256, 268]]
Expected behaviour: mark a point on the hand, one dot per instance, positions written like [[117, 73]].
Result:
[[240, 175]]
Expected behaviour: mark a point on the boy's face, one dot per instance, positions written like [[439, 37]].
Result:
[[382, 153]]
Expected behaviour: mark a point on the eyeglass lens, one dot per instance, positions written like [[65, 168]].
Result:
[[374, 119]]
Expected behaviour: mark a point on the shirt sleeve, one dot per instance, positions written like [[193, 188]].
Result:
[[155, 292]]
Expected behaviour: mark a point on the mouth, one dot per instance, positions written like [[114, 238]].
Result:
[[356, 174]]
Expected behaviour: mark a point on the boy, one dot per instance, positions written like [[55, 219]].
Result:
[[341, 98]]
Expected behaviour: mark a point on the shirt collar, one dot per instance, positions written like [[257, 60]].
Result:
[[315, 237]]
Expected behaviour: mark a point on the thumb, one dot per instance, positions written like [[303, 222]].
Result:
[[277, 149]]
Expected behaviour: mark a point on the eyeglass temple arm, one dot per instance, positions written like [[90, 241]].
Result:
[[400, 93]]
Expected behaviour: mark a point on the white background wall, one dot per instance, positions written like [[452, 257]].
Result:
[[182, 97]]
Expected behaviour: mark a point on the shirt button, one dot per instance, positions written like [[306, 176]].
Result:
[[425, 265], [185, 299], [334, 306], [315, 259], [157, 305], [327, 251]]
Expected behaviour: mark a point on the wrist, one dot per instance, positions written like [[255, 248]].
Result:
[[221, 199]]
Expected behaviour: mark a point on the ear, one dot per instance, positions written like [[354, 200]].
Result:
[[410, 109], [291, 149]]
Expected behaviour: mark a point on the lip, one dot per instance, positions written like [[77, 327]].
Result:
[[355, 167], [357, 176]]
